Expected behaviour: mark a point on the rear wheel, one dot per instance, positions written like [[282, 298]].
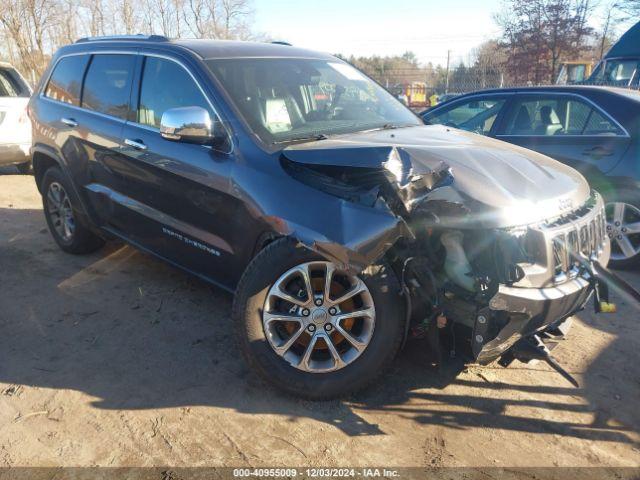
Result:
[[62, 212], [313, 329], [623, 228]]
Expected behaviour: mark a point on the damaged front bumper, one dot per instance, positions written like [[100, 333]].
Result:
[[558, 284], [527, 311]]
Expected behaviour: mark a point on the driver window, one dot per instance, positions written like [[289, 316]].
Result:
[[165, 85], [477, 115]]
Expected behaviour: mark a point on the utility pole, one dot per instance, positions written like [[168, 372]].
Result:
[[446, 84], [604, 34]]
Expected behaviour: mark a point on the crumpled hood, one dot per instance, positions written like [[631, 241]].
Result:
[[500, 185]]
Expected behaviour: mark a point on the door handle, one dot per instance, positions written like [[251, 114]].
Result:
[[597, 152], [69, 122], [137, 144]]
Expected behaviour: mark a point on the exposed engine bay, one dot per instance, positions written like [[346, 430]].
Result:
[[507, 246]]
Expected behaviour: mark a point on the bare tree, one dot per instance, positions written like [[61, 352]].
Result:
[[223, 19], [32, 30], [27, 25], [487, 64], [128, 16], [96, 17], [196, 16], [234, 16]]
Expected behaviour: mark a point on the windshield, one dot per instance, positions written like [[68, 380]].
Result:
[[618, 72], [288, 99]]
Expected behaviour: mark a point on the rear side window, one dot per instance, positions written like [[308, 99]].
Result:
[[66, 81], [165, 85], [556, 116], [598, 124], [107, 85]]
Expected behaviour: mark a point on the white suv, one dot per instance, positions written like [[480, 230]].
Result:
[[15, 127]]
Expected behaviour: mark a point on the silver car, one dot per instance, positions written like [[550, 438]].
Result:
[[15, 126]]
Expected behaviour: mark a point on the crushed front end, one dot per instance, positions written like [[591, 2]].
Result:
[[494, 240], [505, 284]]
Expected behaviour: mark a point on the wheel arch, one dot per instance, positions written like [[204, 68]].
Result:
[[264, 239], [43, 158]]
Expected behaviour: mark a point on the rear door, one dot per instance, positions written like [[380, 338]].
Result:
[[566, 127], [89, 129]]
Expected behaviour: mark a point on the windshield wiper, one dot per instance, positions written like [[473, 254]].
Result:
[[320, 136]]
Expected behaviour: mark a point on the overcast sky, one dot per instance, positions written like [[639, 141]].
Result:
[[365, 27]]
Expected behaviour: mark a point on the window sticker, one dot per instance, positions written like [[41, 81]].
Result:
[[277, 116]]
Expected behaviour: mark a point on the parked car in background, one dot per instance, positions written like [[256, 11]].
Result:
[[445, 97], [575, 71], [593, 129], [621, 65], [15, 127]]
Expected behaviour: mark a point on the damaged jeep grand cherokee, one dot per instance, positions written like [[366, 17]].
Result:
[[339, 220]]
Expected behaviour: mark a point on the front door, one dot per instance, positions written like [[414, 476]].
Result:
[[174, 197], [478, 113]]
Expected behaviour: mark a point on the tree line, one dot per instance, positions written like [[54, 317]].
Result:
[[31, 30], [537, 36]]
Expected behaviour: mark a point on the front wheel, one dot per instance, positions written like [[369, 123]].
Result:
[[311, 328]]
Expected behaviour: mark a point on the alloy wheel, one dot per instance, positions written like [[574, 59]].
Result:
[[60, 211], [623, 229], [318, 318]]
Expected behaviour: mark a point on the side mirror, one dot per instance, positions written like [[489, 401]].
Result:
[[191, 125]]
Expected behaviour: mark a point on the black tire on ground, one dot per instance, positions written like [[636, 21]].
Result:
[[265, 269], [632, 198], [83, 240], [24, 168]]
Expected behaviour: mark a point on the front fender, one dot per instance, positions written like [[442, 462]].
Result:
[[351, 235]]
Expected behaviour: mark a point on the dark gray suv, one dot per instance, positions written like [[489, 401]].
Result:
[[341, 222]]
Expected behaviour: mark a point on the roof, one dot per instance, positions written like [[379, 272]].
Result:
[[206, 48], [582, 89], [628, 45], [232, 49]]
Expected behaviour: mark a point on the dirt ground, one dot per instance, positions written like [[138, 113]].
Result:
[[118, 359]]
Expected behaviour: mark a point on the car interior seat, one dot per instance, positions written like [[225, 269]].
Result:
[[522, 123], [549, 122]]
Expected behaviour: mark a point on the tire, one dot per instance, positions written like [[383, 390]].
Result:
[[627, 231], [24, 168], [250, 300], [81, 239]]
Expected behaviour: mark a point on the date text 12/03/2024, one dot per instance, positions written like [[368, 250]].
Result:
[[317, 472]]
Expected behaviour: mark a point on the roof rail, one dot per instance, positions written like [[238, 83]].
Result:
[[280, 42], [137, 37]]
